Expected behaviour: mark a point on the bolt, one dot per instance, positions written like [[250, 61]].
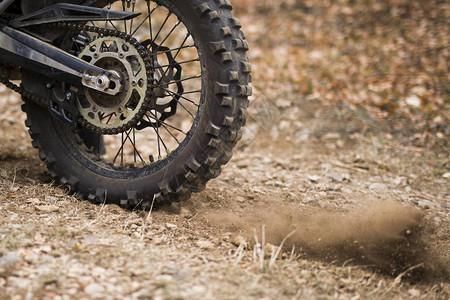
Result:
[[133, 82], [49, 85], [68, 96], [121, 55], [94, 108], [95, 55], [120, 109]]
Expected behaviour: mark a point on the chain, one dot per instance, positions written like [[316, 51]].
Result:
[[143, 53]]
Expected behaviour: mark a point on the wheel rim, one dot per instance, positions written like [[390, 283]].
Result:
[[177, 88]]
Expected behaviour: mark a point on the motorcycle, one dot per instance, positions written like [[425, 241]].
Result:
[[137, 103]]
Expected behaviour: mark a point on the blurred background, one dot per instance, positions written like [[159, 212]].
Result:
[[360, 65]]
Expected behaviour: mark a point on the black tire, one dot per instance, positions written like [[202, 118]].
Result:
[[217, 127]]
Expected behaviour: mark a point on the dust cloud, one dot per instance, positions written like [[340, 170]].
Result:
[[383, 235]]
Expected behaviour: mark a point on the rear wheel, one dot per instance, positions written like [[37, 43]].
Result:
[[175, 122]]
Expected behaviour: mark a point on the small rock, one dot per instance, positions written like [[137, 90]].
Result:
[[158, 240], [46, 249], [171, 226], [186, 213], [14, 189], [31, 257], [240, 199], [20, 283], [51, 198], [437, 221], [446, 175], [414, 292], [47, 208], [34, 201], [336, 177], [8, 260], [413, 100], [331, 136], [376, 186], [135, 221], [93, 289], [204, 244], [313, 178]]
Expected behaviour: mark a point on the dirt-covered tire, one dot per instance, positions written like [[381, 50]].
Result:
[[217, 128]]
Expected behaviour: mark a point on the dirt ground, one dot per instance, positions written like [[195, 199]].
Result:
[[322, 200]]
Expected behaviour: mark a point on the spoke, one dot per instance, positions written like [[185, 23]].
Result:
[[119, 152], [150, 18], [139, 26], [124, 21], [171, 134], [112, 24], [163, 24], [180, 63], [167, 36], [187, 110], [175, 94], [131, 24], [167, 124], [156, 129], [148, 118], [184, 79], [106, 22], [170, 50], [136, 151], [102, 117], [179, 49], [192, 92], [109, 119], [134, 148]]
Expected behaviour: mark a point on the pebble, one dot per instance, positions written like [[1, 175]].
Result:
[[240, 199], [45, 249], [336, 177], [35, 201], [376, 186], [414, 292], [31, 257], [20, 283], [51, 198], [313, 178], [437, 221], [8, 260], [413, 100], [47, 208], [94, 288], [171, 226], [204, 244]]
